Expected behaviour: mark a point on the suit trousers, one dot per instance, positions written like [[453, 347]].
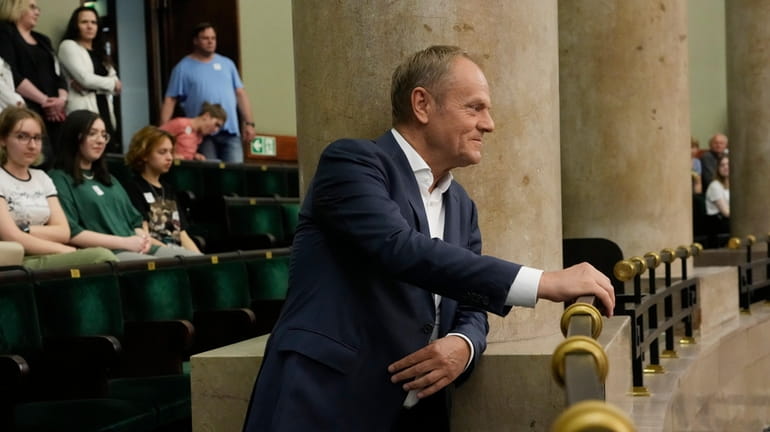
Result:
[[429, 415]]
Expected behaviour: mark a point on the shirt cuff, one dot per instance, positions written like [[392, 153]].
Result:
[[523, 290], [470, 345]]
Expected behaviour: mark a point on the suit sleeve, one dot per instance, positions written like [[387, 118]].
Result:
[[352, 201]]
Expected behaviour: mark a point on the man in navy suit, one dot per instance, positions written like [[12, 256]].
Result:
[[388, 290]]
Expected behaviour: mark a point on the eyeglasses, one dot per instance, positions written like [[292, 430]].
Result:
[[93, 134], [26, 138], [34, 7]]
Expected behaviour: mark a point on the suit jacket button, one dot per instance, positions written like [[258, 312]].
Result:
[[427, 328]]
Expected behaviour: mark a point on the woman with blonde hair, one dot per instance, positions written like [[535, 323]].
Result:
[[35, 68], [150, 155], [30, 212]]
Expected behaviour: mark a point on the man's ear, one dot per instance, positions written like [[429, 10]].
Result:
[[421, 104]]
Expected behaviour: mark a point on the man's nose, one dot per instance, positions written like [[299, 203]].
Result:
[[487, 124]]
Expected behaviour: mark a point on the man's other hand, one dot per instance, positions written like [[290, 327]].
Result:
[[578, 280], [433, 367]]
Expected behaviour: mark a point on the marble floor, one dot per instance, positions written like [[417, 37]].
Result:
[[719, 384]]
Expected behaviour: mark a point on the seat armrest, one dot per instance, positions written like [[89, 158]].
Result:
[[216, 328], [13, 370], [156, 347], [78, 367], [102, 349]]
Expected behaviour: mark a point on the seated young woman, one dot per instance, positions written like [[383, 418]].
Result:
[[150, 155], [30, 213], [97, 207]]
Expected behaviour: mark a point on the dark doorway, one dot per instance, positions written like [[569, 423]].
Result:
[[169, 24]]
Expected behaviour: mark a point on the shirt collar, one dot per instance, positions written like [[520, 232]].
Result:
[[422, 171]]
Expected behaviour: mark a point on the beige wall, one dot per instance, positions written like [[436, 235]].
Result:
[[53, 18], [708, 73], [267, 57]]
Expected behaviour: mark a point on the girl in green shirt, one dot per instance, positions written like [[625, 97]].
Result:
[[98, 209]]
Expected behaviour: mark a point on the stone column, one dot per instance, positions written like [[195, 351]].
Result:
[[345, 53], [625, 124], [748, 106]]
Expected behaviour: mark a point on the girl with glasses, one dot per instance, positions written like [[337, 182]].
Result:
[[98, 209], [30, 212]]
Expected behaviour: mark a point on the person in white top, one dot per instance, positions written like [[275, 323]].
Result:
[[718, 202], [8, 95], [30, 213], [91, 76]]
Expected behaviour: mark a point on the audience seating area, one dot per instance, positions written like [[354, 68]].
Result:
[[105, 346], [232, 206]]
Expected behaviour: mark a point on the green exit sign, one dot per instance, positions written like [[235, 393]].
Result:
[[263, 145]]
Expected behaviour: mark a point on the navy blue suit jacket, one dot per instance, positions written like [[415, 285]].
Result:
[[362, 271]]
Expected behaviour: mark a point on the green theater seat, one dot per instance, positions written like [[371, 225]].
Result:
[[254, 223], [24, 406], [88, 301], [268, 281], [221, 299]]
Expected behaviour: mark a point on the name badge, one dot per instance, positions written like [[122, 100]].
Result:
[[217, 66], [149, 197], [98, 190]]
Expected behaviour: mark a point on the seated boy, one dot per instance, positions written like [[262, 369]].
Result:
[[189, 132]]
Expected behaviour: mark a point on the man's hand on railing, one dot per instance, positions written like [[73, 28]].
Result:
[[580, 279]]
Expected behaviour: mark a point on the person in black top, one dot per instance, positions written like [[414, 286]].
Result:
[[36, 72], [150, 155]]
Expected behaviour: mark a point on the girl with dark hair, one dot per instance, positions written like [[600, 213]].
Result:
[[718, 202], [90, 74], [30, 212], [98, 209]]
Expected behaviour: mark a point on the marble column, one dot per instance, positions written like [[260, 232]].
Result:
[[748, 106], [345, 52], [625, 127]]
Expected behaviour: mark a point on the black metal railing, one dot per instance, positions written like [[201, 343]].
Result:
[[752, 285], [656, 311]]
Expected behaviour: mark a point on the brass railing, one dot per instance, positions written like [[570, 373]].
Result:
[[580, 365]]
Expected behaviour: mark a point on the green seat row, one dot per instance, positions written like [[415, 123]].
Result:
[[140, 318]]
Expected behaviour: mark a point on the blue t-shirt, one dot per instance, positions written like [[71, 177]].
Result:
[[194, 82]]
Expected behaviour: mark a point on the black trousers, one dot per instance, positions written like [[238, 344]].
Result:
[[429, 415]]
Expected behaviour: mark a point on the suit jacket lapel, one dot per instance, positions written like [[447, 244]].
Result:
[[451, 217], [411, 189]]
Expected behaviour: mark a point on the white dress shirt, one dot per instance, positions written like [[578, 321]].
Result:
[[523, 291]]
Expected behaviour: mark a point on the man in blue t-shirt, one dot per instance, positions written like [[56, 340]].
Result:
[[205, 76]]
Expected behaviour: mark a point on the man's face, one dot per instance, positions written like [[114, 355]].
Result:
[[718, 144], [461, 116], [206, 42]]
